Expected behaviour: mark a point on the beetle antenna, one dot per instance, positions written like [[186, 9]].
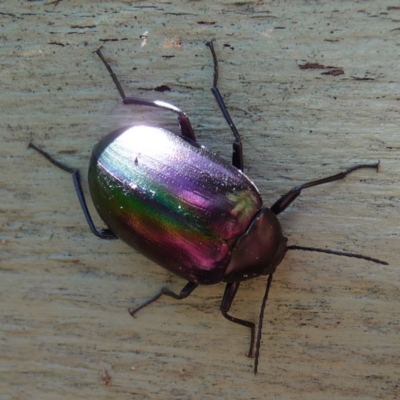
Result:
[[260, 322], [338, 253]]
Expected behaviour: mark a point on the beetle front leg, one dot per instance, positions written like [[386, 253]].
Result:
[[101, 233], [229, 294], [185, 292], [287, 199]]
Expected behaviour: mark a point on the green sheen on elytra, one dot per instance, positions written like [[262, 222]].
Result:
[[158, 193]]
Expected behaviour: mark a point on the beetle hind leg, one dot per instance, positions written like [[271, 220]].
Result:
[[184, 122], [101, 233], [185, 292]]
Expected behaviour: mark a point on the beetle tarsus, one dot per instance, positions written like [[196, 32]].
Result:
[[185, 292], [183, 119], [288, 198], [247, 324], [48, 157], [227, 299], [101, 233], [260, 323], [112, 74], [210, 44], [237, 154], [145, 304]]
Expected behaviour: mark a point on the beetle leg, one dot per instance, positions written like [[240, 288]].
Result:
[[183, 119], [229, 294], [185, 292], [237, 154], [260, 323], [101, 233], [292, 194]]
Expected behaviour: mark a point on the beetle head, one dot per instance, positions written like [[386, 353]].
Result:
[[259, 250]]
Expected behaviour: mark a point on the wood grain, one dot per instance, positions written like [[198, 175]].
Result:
[[331, 329]]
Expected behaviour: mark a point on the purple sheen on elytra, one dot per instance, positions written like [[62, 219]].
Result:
[[178, 204]]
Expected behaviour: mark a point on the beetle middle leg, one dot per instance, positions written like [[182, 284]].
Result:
[[237, 154], [183, 119], [101, 233], [185, 292]]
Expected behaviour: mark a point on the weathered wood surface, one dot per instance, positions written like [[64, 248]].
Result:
[[331, 328]]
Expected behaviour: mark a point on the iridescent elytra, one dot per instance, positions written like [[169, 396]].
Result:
[[186, 208]]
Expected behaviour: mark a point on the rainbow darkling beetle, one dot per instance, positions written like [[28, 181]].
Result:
[[187, 209]]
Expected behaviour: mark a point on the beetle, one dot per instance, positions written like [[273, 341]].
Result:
[[186, 208]]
